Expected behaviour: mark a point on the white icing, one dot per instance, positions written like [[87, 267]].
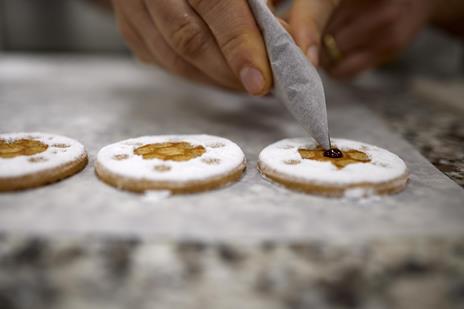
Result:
[[384, 165], [53, 157], [230, 157]]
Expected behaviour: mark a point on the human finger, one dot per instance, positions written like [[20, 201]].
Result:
[[190, 38], [307, 19], [240, 40]]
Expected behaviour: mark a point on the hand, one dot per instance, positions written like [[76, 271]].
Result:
[[216, 42], [368, 33], [307, 20], [365, 33]]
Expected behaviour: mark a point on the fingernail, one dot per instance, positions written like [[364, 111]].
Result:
[[252, 80], [313, 55]]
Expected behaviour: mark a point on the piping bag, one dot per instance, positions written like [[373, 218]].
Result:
[[297, 83]]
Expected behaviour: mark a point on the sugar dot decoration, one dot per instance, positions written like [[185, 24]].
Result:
[[61, 146], [215, 145], [211, 161], [162, 168], [292, 162], [37, 159], [120, 157]]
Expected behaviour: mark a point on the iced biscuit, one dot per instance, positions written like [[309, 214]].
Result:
[[360, 169], [30, 160], [178, 163]]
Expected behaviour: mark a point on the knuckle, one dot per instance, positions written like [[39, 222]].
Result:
[[233, 45], [190, 38], [196, 3], [203, 5]]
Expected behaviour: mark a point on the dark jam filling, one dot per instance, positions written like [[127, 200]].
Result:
[[333, 153]]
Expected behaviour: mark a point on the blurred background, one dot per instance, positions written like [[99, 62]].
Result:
[[57, 25], [433, 66], [83, 26]]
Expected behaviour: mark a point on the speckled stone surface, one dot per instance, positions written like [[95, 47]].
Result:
[[433, 127], [82, 244], [439, 138], [421, 97], [67, 273]]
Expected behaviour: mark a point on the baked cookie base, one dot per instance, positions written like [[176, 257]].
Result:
[[142, 185], [43, 177], [329, 190]]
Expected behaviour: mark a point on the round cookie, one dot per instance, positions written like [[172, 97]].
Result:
[[363, 170], [30, 160], [178, 163]]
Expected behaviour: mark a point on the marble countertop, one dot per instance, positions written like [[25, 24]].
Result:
[[428, 113], [82, 244]]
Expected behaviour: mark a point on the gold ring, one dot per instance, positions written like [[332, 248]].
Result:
[[332, 48]]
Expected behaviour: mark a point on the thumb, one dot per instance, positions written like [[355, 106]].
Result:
[[307, 19]]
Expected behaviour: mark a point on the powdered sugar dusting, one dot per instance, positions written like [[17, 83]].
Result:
[[226, 158], [384, 165], [61, 150], [156, 196], [358, 193]]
